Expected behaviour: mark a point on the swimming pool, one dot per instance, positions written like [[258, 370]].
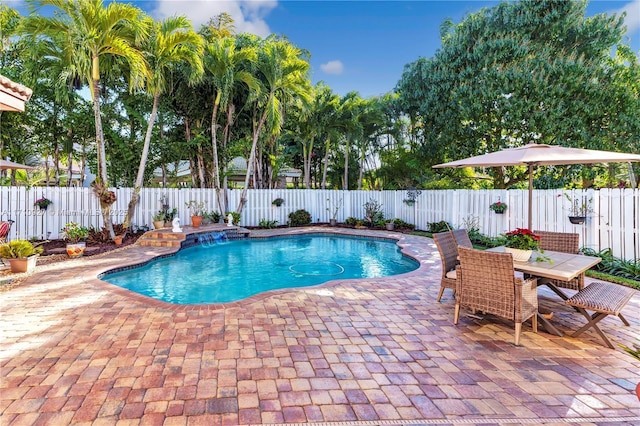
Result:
[[235, 270]]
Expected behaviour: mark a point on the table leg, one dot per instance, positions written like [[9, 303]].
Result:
[[548, 326]]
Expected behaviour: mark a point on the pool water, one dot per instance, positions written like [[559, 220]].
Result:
[[235, 270]]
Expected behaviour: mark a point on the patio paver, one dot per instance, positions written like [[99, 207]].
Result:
[[77, 350]]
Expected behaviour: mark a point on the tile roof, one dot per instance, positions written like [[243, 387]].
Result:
[[13, 95]]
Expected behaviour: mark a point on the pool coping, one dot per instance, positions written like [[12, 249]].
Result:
[[92, 276]]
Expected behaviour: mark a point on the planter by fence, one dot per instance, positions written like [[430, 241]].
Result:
[[76, 249], [577, 220], [196, 221], [23, 264]]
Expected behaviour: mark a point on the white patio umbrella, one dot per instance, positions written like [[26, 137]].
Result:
[[6, 165], [534, 154]]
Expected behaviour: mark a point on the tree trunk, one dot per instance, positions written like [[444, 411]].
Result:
[[69, 168], [307, 164], [56, 164], [214, 144], [102, 156], [135, 198], [345, 180], [252, 155], [361, 171], [325, 163]]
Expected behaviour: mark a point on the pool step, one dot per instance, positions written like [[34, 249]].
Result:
[[188, 236], [162, 238]]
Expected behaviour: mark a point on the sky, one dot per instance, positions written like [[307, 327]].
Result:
[[355, 45]]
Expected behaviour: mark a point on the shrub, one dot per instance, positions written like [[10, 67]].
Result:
[[614, 266], [442, 226], [299, 218], [267, 224], [99, 236], [17, 249], [351, 221], [74, 232], [213, 216], [373, 213], [399, 223]]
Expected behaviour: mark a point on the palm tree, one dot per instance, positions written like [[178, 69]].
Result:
[[352, 106], [172, 42], [88, 31], [225, 64], [284, 75]]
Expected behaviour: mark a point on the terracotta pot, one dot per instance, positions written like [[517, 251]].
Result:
[[157, 224], [118, 239], [23, 264], [76, 249], [196, 221]]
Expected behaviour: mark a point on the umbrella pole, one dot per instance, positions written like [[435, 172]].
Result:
[[531, 197]]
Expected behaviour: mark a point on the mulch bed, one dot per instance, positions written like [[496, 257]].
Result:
[[55, 252], [58, 247]]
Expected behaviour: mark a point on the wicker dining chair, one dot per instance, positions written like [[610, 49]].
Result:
[[462, 238], [448, 249], [565, 243], [486, 282]]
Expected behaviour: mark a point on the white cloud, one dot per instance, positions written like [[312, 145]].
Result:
[[248, 15], [632, 20], [332, 67]]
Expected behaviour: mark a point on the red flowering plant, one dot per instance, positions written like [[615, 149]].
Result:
[[523, 239], [498, 207]]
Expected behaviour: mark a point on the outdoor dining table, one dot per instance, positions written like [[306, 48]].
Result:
[[556, 265]]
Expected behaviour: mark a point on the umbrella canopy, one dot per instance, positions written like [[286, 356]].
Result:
[[534, 154], [6, 165]]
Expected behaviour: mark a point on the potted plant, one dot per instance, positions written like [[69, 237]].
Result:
[[278, 202], [169, 215], [210, 217], [234, 217], [42, 203], [196, 208], [579, 207], [333, 209], [521, 243], [21, 254], [75, 235], [498, 207], [158, 219], [390, 224]]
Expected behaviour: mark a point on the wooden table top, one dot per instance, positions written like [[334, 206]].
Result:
[[563, 266]]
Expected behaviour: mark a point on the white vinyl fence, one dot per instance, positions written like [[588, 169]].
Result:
[[614, 222]]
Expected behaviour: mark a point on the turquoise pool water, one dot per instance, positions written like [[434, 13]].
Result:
[[235, 270]]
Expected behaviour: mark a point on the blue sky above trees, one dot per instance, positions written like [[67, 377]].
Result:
[[355, 45]]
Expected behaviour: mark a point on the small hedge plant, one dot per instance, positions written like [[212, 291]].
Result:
[[299, 218]]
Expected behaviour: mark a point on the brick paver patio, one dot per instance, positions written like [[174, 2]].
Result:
[[76, 350]]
